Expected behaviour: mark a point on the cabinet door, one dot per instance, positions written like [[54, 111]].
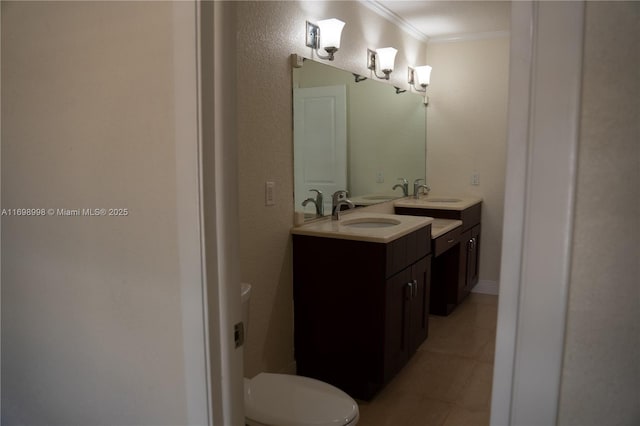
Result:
[[463, 271], [473, 258], [419, 303], [469, 261], [396, 345], [407, 314]]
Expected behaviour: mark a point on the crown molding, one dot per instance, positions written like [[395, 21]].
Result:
[[469, 37], [382, 11]]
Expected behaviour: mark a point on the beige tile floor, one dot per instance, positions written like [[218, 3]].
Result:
[[448, 380]]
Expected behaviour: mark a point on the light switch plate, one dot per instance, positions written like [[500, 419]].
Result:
[[269, 196]]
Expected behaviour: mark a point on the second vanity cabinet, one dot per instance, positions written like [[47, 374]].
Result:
[[361, 308], [448, 292]]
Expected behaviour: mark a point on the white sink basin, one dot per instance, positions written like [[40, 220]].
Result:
[[364, 226], [373, 222]]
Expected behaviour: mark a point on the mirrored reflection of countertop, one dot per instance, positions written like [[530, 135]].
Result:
[[354, 226], [439, 202], [442, 226]]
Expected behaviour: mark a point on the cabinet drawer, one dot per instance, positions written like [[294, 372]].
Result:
[[408, 249], [446, 241]]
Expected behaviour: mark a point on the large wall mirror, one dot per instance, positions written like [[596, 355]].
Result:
[[361, 136]]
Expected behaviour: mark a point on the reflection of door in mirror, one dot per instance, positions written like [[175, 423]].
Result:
[[320, 143]]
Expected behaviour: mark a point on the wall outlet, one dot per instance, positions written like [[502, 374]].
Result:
[[380, 177], [475, 179], [269, 196]]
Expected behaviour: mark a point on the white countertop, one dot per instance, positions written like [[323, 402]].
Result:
[[439, 202], [340, 228], [442, 226]]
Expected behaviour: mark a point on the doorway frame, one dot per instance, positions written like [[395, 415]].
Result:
[[216, 71], [543, 133]]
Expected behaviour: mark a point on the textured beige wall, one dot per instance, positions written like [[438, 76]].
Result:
[[91, 320], [467, 131], [268, 32], [601, 375]]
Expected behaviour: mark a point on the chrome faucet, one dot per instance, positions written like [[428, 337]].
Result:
[[404, 186], [339, 200], [318, 202], [417, 187]]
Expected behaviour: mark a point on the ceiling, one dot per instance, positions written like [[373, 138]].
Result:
[[433, 20]]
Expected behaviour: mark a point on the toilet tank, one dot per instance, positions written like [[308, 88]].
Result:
[[245, 292]]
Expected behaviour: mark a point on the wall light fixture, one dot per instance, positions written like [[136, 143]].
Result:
[[419, 77], [324, 35], [381, 59]]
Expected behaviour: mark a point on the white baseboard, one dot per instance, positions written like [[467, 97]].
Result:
[[486, 287]]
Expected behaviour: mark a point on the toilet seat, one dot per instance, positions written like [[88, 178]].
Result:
[[287, 400]]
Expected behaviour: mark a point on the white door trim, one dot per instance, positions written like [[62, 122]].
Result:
[[188, 211], [217, 124], [207, 209], [544, 112]]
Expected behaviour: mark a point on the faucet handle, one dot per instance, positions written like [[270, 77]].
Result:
[[339, 195], [404, 180]]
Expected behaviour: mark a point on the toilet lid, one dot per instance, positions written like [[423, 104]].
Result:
[[287, 400]]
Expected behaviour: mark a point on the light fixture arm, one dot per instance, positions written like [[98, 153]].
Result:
[[371, 64], [412, 81], [313, 34], [414, 77]]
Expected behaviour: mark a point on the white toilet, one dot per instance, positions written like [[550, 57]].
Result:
[[287, 400]]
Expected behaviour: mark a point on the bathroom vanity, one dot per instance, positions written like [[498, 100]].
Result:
[[361, 299], [455, 253]]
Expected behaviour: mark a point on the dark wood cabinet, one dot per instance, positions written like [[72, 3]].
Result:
[[407, 314], [469, 216], [469, 261], [361, 308], [455, 271]]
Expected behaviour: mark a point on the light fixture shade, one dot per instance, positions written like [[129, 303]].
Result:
[[386, 58], [423, 75], [330, 33]]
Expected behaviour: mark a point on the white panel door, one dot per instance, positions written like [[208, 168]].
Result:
[[320, 142]]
